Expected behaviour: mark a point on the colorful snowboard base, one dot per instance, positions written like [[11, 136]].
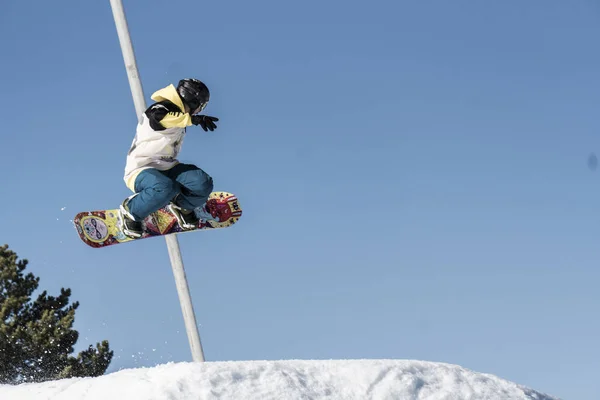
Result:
[[100, 228]]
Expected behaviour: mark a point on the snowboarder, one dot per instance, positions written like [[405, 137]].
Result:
[[152, 170]]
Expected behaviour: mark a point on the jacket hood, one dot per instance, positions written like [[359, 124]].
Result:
[[169, 93]]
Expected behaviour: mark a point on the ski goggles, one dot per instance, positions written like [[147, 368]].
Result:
[[199, 109]]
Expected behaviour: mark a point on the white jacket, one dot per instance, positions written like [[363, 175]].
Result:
[[157, 148]]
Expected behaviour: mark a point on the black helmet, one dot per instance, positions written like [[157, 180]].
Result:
[[194, 94]]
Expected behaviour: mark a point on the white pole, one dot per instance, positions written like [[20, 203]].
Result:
[[172, 243]]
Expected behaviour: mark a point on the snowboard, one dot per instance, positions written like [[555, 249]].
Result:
[[100, 228]]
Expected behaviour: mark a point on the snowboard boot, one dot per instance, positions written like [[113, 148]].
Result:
[[186, 218], [126, 221]]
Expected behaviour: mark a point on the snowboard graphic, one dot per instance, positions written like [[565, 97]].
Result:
[[100, 228]]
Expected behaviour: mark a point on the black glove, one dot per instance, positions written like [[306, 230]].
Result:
[[206, 122]]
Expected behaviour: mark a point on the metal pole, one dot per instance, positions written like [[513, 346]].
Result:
[[172, 243]]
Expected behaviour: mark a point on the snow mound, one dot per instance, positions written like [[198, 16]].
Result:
[[277, 380]]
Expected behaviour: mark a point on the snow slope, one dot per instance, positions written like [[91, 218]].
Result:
[[265, 380]]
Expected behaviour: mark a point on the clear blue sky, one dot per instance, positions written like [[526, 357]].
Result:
[[413, 174]]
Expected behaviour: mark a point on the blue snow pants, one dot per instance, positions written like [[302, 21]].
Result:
[[187, 185]]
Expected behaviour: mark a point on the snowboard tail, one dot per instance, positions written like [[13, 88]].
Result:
[[101, 228]]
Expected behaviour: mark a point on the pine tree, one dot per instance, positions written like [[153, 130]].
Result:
[[37, 337]]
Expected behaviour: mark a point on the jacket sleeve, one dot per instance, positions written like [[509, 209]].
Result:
[[165, 114]]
